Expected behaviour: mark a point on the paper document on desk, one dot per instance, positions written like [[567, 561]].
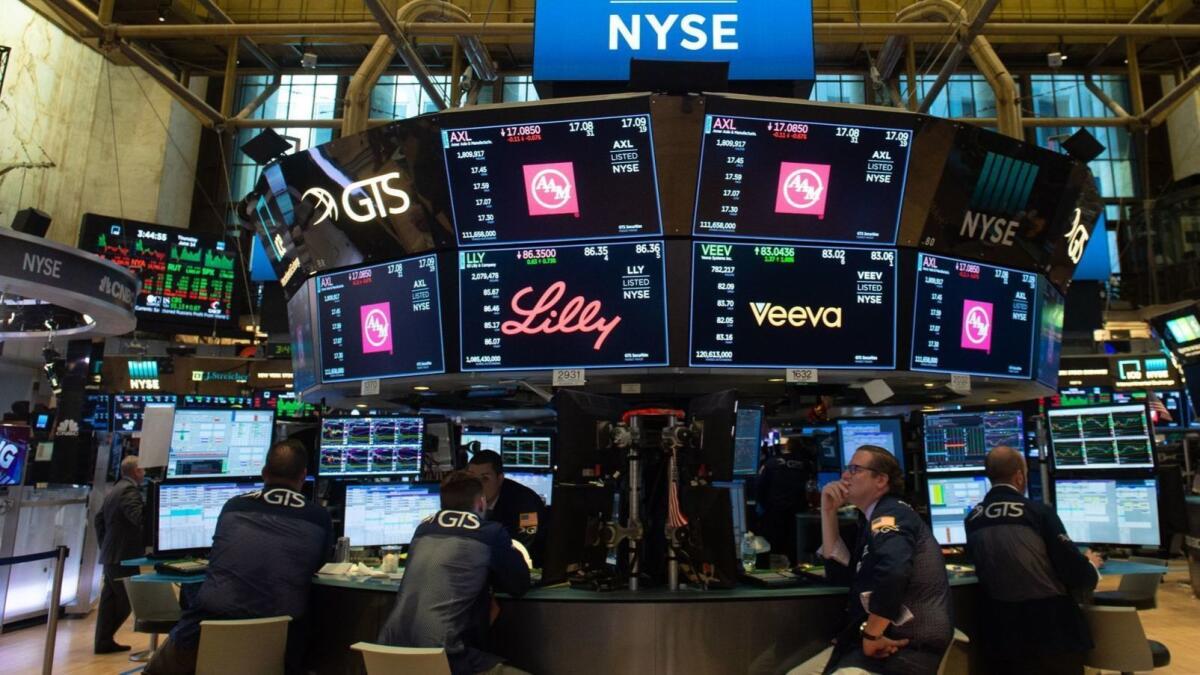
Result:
[[906, 614]]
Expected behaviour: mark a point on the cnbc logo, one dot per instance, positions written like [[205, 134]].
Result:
[[1001, 193], [797, 317]]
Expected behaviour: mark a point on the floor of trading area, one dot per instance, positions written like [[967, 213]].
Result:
[[1173, 623]]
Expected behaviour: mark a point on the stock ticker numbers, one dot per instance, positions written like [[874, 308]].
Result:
[[380, 321], [800, 180], [973, 318], [553, 180], [766, 305], [593, 306]]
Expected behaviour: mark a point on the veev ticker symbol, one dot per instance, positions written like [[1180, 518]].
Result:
[[376, 327], [550, 189], [977, 326], [802, 188]]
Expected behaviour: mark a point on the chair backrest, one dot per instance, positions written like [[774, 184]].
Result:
[[242, 646], [152, 601], [386, 660], [1120, 640], [954, 659], [1144, 585]]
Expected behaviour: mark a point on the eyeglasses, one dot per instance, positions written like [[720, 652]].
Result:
[[853, 469]]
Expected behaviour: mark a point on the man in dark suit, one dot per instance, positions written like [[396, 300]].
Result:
[[518, 508], [119, 530]]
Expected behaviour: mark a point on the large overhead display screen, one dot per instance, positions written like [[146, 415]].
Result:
[[553, 179], [592, 306], [800, 180], [973, 318], [757, 305], [380, 321]]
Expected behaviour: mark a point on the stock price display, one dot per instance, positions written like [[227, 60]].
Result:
[[800, 181], [1101, 437], [759, 305], [380, 321], [593, 306], [550, 181], [973, 318]]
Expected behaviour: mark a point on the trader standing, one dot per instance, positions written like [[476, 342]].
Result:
[[119, 531], [898, 614], [518, 508], [1029, 568]]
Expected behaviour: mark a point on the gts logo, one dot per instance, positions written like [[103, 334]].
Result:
[[798, 316]]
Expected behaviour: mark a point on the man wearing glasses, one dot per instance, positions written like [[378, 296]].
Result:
[[898, 615]]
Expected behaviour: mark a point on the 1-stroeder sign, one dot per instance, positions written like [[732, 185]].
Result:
[[595, 39]]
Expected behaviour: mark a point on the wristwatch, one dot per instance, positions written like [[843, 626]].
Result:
[[862, 631]]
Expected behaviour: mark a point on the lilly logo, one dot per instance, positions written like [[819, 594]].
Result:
[[363, 200], [577, 316], [977, 325], [797, 317], [376, 327], [1077, 238], [803, 189], [550, 189]]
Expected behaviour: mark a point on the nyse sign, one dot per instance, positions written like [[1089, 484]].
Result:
[[595, 39]]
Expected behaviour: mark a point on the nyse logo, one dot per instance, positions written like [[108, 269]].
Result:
[[550, 189], [1077, 238], [376, 327], [802, 189], [797, 317], [1001, 193], [977, 325], [363, 200]]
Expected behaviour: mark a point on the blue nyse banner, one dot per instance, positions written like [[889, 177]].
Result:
[[595, 39]]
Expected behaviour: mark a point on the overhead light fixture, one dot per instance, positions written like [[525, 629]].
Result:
[[993, 400], [930, 385], [775, 379], [420, 387], [360, 405]]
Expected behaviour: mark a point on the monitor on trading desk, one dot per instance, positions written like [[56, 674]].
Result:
[[1109, 511], [883, 432], [223, 442], [826, 477], [186, 513], [387, 514], [525, 452], [829, 454], [737, 501], [1102, 437], [961, 441], [950, 500], [747, 441], [486, 442], [376, 446], [541, 483]]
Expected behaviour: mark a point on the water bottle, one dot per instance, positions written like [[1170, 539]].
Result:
[[749, 552]]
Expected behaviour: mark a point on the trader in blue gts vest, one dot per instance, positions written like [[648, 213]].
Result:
[[266, 548], [1029, 569]]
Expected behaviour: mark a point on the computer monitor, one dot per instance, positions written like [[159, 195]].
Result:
[[371, 446], [387, 514], [525, 452], [486, 442], [737, 501], [1109, 511], [541, 483], [883, 432], [186, 513], [219, 443], [961, 441], [747, 440], [826, 477], [829, 455], [950, 500], [42, 421], [1101, 437]]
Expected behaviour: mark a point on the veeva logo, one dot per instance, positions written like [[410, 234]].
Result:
[[363, 200], [1002, 191], [798, 316]]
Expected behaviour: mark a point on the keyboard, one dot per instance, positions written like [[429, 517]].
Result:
[[184, 567], [780, 579]]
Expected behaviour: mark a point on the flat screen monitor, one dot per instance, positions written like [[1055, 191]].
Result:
[[950, 500], [1180, 330], [737, 502], [1051, 314], [187, 513], [777, 306], [1073, 397], [1173, 401], [883, 432], [550, 176], [14, 444], [387, 514], [541, 483], [747, 440], [961, 441], [525, 452], [289, 406], [486, 442], [593, 306], [231, 402], [973, 318], [185, 276], [380, 321], [128, 409], [369, 446], [42, 421], [1109, 511], [97, 412], [221, 442], [829, 452], [303, 337], [780, 173], [1102, 437], [826, 477]]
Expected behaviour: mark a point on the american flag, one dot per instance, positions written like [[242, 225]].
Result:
[[1157, 407], [675, 517]]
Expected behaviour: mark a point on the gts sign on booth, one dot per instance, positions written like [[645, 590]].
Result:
[[595, 39]]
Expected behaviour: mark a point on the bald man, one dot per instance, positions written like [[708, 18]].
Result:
[[1031, 573], [119, 530]]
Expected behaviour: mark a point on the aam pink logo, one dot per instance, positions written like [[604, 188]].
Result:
[[376, 327], [977, 325], [550, 189], [802, 189]]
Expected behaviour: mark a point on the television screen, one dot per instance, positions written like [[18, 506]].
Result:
[[593, 306], [187, 513], [288, 406], [780, 171], [829, 453], [883, 432], [361, 446], [973, 318], [541, 483], [525, 452], [551, 176], [232, 402], [1101, 437], [1051, 311], [128, 409], [387, 514], [1072, 397], [950, 500], [747, 440], [1172, 400], [14, 445], [486, 442], [97, 412], [792, 306], [303, 336], [219, 442], [958, 441], [1180, 330], [185, 276], [380, 321], [1112, 511]]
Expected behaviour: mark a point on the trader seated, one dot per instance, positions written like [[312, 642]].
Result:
[[443, 599], [519, 509], [267, 546]]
